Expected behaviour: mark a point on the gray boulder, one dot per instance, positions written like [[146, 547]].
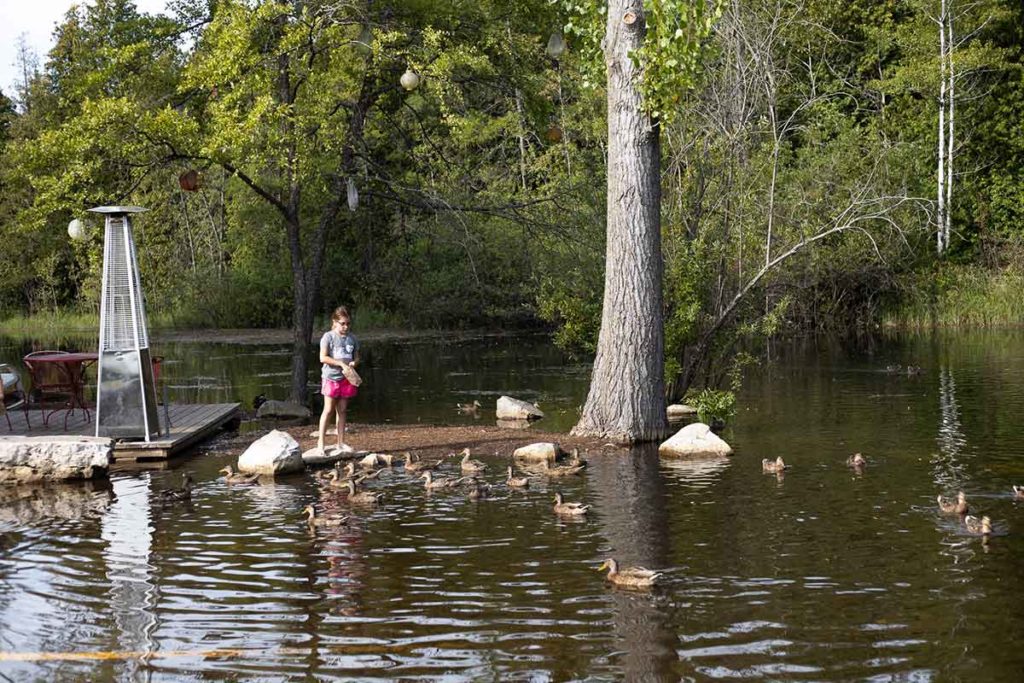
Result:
[[285, 410], [273, 453], [509, 408], [53, 458], [695, 440]]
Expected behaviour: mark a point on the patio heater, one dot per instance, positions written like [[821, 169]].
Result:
[[125, 390]]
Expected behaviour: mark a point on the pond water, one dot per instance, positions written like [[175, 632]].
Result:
[[821, 574]]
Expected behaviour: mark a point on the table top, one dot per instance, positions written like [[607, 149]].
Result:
[[80, 357]]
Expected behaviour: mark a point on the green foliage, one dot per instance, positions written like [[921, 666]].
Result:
[[712, 404], [677, 33]]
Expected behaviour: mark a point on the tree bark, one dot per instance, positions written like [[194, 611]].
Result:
[[626, 402], [941, 172]]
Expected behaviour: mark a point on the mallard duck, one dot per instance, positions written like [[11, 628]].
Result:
[[856, 461], [569, 509], [978, 526], [575, 460], [517, 482], [953, 507], [414, 464], [361, 496], [633, 577], [471, 466], [468, 408], [1018, 492], [479, 491], [432, 484], [181, 494], [313, 520], [232, 477], [769, 466], [559, 470]]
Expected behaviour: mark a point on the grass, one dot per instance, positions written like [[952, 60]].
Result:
[[962, 296]]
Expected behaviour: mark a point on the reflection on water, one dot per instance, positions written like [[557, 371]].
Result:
[[825, 573]]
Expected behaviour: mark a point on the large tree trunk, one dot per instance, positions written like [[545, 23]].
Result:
[[626, 402]]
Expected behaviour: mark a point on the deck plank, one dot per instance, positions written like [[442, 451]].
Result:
[[190, 423]]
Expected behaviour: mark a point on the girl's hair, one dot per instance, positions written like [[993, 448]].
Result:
[[339, 313]]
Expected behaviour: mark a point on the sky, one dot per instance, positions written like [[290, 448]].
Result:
[[37, 19]]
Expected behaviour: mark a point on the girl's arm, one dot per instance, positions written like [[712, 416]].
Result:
[[355, 358], [326, 359]]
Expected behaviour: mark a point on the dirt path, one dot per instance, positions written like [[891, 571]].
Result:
[[431, 441]]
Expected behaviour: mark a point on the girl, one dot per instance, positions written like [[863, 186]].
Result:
[[338, 349]]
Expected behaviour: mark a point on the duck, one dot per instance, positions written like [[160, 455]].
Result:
[[471, 466], [432, 484], [769, 466], [1018, 492], [414, 464], [569, 509], [180, 494], [313, 520], [981, 526], [517, 482], [575, 460], [856, 461], [560, 470], [632, 577], [953, 507], [367, 497], [468, 408], [232, 477], [479, 491]]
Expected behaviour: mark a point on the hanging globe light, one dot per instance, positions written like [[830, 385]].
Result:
[[353, 194], [76, 230], [410, 80], [556, 45]]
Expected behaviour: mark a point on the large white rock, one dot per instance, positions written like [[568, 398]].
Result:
[[535, 452], [513, 409], [695, 440], [273, 453], [315, 457], [678, 411], [38, 458], [283, 409]]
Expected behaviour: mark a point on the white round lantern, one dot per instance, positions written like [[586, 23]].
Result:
[[410, 79], [556, 45], [76, 230]]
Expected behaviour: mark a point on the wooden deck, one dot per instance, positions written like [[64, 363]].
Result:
[[190, 424]]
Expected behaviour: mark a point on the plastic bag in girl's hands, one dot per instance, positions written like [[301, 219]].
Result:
[[351, 375]]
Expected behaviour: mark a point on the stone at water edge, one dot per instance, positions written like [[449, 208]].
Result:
[[536, 452], [314, 457], [677, 411], [513, 424], [54, 458], [509, 408], [284, 410], [695, 440], [273, 453]]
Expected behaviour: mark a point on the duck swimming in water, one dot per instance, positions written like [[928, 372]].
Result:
[[569, 509], [856, 461], [981, 526], [630, 577], [953, 507], [773, 467]]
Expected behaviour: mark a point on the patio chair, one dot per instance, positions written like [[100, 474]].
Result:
[[12, 395], [54, 385]]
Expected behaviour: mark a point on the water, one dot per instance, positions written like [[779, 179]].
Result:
[[822, 574]]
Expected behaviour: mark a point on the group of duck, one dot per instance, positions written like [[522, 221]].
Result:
[[981, 526], [347, 480]]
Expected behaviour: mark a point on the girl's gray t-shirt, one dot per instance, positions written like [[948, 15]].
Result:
[[339, 347]]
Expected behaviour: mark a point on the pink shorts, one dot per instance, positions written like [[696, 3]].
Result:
[[337, 389]]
